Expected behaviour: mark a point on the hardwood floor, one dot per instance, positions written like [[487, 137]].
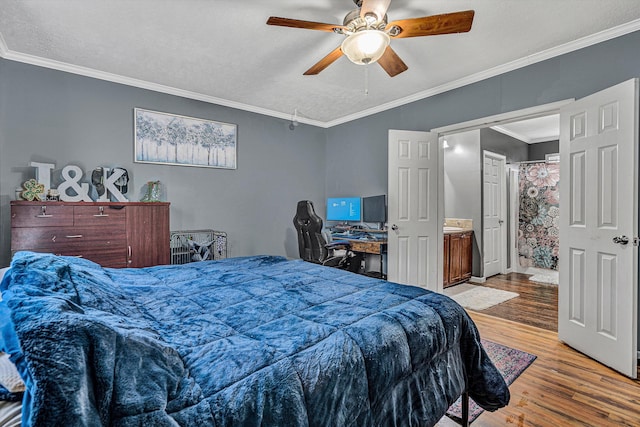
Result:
[[562, 387], [537, 304]]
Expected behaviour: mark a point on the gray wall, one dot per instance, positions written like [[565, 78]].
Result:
[[463, 177], [4, 198], [55, 117], [573, 75], [513, 149], [463, 186], [541, 149]]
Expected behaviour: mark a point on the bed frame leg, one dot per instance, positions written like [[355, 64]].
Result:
[[465, 409]]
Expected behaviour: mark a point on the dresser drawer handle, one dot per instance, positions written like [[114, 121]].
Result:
[[101, 209], [43, 213], [74, 236]]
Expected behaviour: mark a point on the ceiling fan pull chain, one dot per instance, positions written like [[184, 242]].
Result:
[[366, 79]]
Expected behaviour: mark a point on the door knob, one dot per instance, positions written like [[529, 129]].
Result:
[[394, 227], [622, 240]]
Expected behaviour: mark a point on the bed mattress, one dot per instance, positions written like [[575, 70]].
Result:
[[260, 340]]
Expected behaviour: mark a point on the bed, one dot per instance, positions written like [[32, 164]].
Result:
[[250, 341]]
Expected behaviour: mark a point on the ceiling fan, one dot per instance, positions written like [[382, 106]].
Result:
[[368, 34]]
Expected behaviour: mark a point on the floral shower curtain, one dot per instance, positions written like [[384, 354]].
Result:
[[539, 215]]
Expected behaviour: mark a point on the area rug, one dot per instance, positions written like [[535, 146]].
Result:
[[478, 297], [509, 361], [550, 278]]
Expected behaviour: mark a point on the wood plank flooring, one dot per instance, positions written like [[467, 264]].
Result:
[[562, 387], [537, 304]]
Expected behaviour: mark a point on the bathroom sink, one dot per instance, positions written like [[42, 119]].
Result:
[[450, 229]]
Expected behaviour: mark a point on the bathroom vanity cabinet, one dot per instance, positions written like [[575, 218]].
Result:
[[458, 254]]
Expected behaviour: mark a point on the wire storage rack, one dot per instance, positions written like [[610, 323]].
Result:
[[197, 245]]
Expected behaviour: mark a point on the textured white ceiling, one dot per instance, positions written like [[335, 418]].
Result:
[[531, 131], [222, 51]]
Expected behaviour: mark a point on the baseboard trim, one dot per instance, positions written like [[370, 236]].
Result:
[[475, 279]]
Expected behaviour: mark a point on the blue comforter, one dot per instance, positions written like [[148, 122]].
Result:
[[254, 341]]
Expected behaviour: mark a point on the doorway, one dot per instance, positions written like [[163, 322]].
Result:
[[598, 306], [494, 213], [509, 140], [505, 143]]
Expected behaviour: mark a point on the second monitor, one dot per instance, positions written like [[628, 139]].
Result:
[[374, 209]]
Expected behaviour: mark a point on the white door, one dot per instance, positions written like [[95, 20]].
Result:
[[413, 253], [494, 236], [597, 305]]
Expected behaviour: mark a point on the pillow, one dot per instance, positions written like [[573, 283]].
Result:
[[9, 376]]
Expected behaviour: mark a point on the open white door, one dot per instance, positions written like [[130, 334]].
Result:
[[597, 299], [494, 213], [413, 252]]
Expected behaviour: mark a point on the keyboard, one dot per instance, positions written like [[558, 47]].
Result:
[[357, 235]]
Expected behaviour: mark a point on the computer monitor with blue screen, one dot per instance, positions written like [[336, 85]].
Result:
[[344, 209]]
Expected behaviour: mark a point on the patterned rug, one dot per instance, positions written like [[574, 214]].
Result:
[[509, 361]]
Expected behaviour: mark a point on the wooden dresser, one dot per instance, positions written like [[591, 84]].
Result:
[[112, 234]]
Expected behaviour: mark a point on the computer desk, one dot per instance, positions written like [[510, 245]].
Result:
[[377, 246]]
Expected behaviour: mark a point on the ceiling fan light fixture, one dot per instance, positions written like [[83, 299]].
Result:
[[365, 46]]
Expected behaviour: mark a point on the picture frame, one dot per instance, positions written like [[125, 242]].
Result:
[[171, 139]]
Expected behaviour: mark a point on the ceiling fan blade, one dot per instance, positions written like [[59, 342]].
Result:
[[448, 23], [376, 7], [391, 62], [324, 62], [307, 25]]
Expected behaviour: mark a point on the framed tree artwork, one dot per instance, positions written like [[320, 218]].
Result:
[[170, 139]]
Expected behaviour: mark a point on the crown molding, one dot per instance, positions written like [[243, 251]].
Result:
[[590, 40], [510, 116], [3, 47], [587, 41], [524, 138], [142, 84], [513, 135]]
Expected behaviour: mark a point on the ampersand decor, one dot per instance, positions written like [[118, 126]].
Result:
[[73, 182], [32, 190]]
